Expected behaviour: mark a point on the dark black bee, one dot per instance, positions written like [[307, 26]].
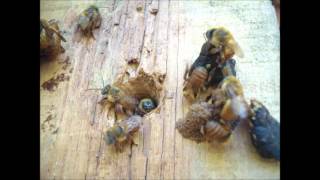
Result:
[[264, 131]]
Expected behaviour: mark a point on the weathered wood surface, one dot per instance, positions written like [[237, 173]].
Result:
[[72, 123]]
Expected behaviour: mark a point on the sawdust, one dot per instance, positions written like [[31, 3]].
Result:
[[52, 84]]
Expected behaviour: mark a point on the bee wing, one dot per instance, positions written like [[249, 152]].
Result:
[[237, 49], [240, 107]]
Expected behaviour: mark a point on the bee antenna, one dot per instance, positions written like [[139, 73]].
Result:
[[205, 37], [102, 79]]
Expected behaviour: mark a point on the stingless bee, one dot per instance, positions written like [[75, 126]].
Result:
[[122, 102], [213, 130], [264, 131], [88, 20], [50, 38], [224, 44], [195, 82], [235, 106], [121, 134]]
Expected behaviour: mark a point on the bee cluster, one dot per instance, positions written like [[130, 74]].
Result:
[[133, 107], [215, 117]]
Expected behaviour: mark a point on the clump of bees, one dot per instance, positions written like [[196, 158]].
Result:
[[216, 116], [133, 107]]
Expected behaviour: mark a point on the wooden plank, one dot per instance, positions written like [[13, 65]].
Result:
[[72, 123]]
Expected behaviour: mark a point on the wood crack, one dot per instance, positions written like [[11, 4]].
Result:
[[175, 108], [130, 164], [98, 155], [146, 169]]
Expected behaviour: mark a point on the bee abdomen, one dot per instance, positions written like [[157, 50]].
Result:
[[214, 130], [198, 77]]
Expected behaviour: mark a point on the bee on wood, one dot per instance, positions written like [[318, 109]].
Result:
[[192, 126], [214, 130], [195, 82], [122, 102], [50, 38], [146, 105], [88, 20], [121, 134], [224, 44], [235, 106], [264, 131]]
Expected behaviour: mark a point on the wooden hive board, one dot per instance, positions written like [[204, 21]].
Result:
[[72, 123]]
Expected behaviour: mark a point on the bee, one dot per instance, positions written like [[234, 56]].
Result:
[[195, 82], [192, 126], [88, 20], [122, 132], [122, 102], [235, 106], [50, 38], [264, 131], [146, 105], [224, 44], [213, 130], [217, 74]]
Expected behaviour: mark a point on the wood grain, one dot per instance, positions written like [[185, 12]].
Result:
[[72, 123]]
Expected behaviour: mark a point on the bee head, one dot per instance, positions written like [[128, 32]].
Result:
[[220, 36], [209, 33], [106, 89], [93, 8], [147, 105], [113, 134]]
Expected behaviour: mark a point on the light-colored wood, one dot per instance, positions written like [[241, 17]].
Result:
[[72, 145]]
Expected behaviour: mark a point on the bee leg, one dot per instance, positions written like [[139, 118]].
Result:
[[91, 35], [109, 109], [62, 49], [129, 112], [118, 108], [132, 143]]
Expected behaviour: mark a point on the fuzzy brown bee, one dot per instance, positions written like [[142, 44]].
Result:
[[235, 107], [88, 20], [121, 134], [195, 82], [122, 102], [224, 44], [191, 127], [214, 130], [264, 131], [50, 38]]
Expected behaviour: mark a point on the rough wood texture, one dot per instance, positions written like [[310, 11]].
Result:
[[72, 122]]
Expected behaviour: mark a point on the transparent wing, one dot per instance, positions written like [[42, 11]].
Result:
[[237, 49]]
